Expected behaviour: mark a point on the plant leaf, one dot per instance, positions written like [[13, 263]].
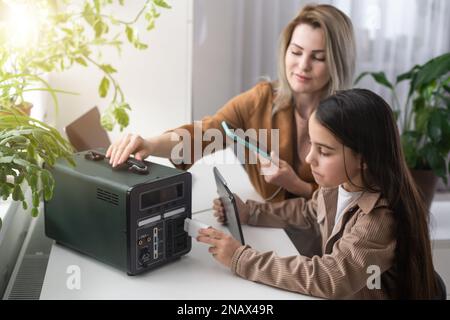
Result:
[[8, 159], [360, 77], [162, 4], [421, 121], [419, 104], [88, 14], [100, 28], [409, 143], [17, 193], [107, 122], [140, 46], [34, 212], [407, 75], [81, 61], [97, 6], [379, 77], [35, 199], [108, 68], [122, 117], [434, 126], [104, 87], [48, 183], [435, 160], [432, 70], [130, 33]]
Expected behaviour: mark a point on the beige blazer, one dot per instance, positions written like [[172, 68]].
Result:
[[364, 237]]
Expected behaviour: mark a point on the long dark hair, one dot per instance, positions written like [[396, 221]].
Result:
[[364, 122]]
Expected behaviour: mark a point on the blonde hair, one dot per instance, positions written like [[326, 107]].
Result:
[[340, 50]]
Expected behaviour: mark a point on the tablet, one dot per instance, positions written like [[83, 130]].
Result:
[[232, 220], [246, 141]]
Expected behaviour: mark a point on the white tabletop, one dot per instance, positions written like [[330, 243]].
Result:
[[194, 276]]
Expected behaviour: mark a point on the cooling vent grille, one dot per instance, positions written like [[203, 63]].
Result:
[[30, 278], [107, 196]]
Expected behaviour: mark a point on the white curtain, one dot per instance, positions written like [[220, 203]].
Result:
[[391, 35]]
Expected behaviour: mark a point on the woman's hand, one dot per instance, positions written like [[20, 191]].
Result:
[[223, 246], [243, 210], [120, 151], [280, 173]]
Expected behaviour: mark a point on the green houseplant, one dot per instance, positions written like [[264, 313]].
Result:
[[42, 36], [423, 118]]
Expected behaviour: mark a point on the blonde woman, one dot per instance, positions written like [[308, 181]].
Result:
[[316, 58]]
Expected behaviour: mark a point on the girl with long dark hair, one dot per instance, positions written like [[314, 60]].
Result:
[[367, 211]]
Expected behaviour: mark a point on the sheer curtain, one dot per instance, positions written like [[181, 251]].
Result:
[[391, 36]]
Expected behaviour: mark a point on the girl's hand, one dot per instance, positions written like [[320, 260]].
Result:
[[219, 211], [120, 151], [280, 173], [223, 246]]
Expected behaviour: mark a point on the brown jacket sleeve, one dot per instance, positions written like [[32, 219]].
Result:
[[297, 212], [337, 275]]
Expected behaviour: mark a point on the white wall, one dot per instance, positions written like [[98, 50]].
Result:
[[216, 69], [156, 81]]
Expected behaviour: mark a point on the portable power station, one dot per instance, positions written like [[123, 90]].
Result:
[[131, 218]]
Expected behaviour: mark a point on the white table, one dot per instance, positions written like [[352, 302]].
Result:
[[194, 276]]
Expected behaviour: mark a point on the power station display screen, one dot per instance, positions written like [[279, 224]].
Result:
[[153, 198]]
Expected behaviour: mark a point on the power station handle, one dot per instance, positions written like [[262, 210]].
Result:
[[137, 166], [134, 165]]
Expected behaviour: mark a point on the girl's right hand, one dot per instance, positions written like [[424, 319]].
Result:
[[243, 210], [120, 151]]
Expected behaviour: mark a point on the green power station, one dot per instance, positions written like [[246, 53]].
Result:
[[131, 218]]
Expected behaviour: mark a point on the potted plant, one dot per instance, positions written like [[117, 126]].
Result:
[[42, 36], [424, 120]]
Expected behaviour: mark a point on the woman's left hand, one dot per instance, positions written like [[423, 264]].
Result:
[[279, 172], [223, 246]]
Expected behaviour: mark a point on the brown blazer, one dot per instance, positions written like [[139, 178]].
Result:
[[253, 109], [364, 236]]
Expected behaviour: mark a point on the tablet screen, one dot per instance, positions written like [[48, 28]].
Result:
[[229, 204], [240, 137]]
